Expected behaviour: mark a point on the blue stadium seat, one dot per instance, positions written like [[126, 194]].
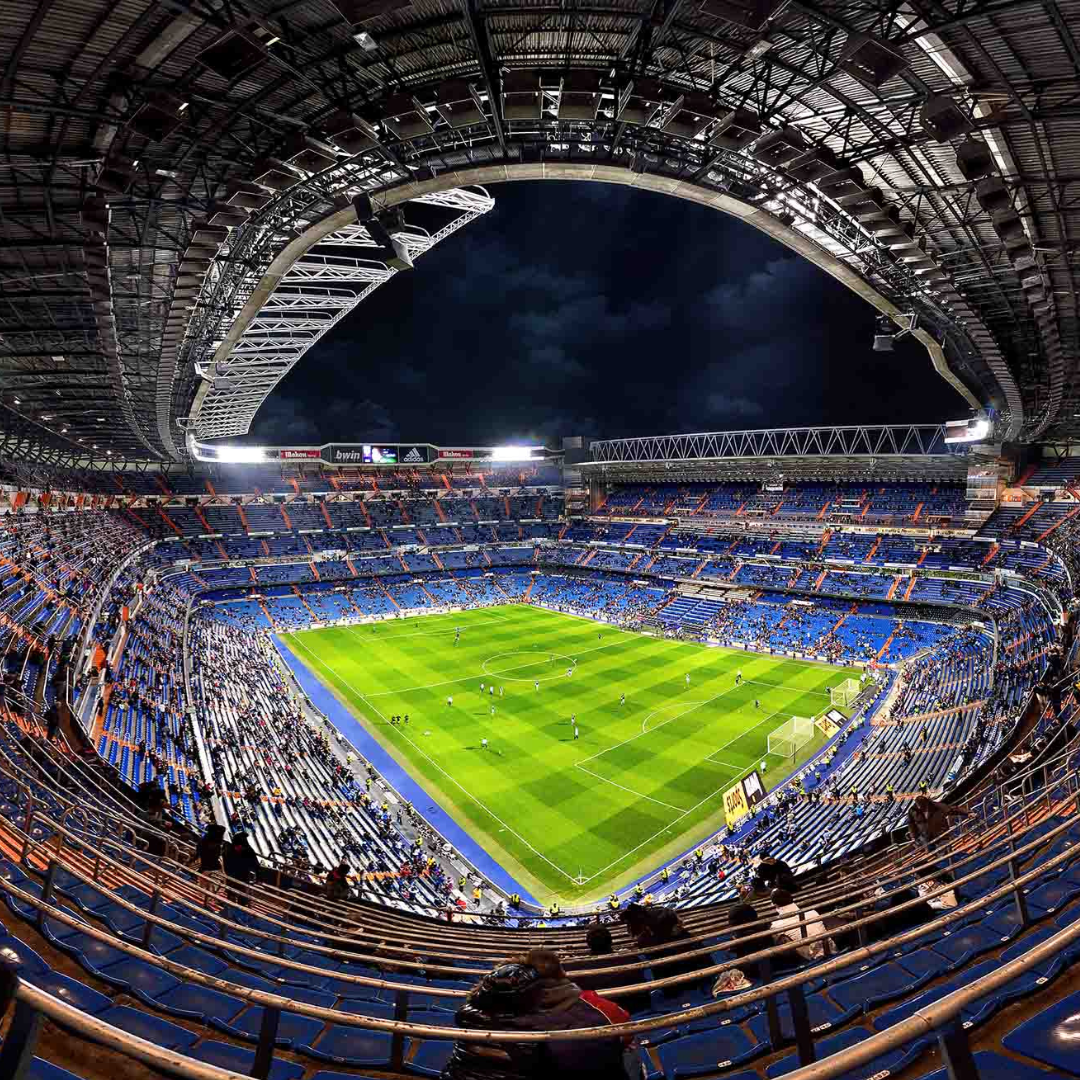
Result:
[[429, 1057], [963, 945], [824, 1016], [991, 1066], [885, 1065], [239, 1059], [71, 991], [879, 985], [342, 1045], [707, 1052], [192, 1002], [1050, 1036], [150, 1027]]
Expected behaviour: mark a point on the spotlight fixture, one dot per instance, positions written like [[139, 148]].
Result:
[[886, 336], [365, 41]]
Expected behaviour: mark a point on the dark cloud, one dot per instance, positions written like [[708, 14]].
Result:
[[600, 310]]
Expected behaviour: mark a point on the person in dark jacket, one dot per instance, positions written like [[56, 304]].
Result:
[[208, 856], [241, 863], [534, 994], [775, 874], [657, 925], [598, 939], [928, 820]]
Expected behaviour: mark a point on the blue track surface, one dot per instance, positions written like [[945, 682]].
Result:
[[399, 779]]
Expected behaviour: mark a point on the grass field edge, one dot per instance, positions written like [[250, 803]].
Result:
[[446, 802], [704, 826]]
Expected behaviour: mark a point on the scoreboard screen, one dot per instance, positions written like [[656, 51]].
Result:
[[380, 455], [755, 790]]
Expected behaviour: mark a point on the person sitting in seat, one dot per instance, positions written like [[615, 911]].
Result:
[[795, 924], [746, 974], [533, 993], [658, 925], [598, 939], [208, 855]]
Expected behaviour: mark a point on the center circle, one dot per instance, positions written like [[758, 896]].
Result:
[[541, 658]]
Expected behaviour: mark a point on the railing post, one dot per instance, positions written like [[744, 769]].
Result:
[[800, 1020], [264, 1052], [17, 1052], [397, 1041], [46, 892], [1018, 896], [148, 926], [772, 1012], [26, 828], [956, 1051]]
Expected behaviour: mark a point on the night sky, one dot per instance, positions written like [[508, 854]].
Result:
[[578, 308]]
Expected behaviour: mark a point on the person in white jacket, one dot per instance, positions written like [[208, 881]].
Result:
[[794, 924]]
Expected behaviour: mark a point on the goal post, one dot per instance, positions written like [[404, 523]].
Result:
[[791, 736], [843, 694]]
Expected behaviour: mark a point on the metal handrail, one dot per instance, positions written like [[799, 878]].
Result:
[[770, 990], [335, 911], [936, 1015], [32, 1004]]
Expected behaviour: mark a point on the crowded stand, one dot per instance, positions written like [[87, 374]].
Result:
[[157, 622]]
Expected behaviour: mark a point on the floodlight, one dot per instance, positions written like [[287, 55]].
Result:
[[512, 453], [241, 455]]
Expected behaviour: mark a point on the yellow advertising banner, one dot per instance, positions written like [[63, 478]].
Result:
[[735, 805]]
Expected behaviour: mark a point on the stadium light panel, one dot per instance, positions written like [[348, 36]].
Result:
[[241, 455], [512, 453]]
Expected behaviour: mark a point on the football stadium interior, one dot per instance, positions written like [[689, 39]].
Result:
[[734, 754]]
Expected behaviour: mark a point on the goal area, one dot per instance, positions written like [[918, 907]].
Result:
[[786, 740], [845, 693]]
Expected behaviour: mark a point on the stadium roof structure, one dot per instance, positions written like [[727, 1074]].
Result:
[[883, 451], [170, 168]]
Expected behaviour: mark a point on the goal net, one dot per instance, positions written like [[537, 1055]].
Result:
[[846, 692], [791, 736]]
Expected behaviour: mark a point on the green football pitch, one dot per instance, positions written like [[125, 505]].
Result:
[[570, 818]]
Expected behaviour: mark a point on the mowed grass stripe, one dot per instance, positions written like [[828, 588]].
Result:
[[549, 820]]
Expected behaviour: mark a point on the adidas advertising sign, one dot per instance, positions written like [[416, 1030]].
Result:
[[413, 455]]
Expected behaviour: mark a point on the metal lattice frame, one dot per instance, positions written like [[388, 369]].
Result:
[[129, 149], [314, 295], [858, 440]]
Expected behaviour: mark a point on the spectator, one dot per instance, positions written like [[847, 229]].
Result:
[[600, 945], [337, 882], [929, 820], [776, 874], [658, 925], [208, 852], [795, 924], [534, 994], [743, 976], [241, 864]]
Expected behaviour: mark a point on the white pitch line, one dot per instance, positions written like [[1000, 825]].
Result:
[[660, 725], [669, 827], [490, 674], [693, 704], [629, 791], [464, 790]]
